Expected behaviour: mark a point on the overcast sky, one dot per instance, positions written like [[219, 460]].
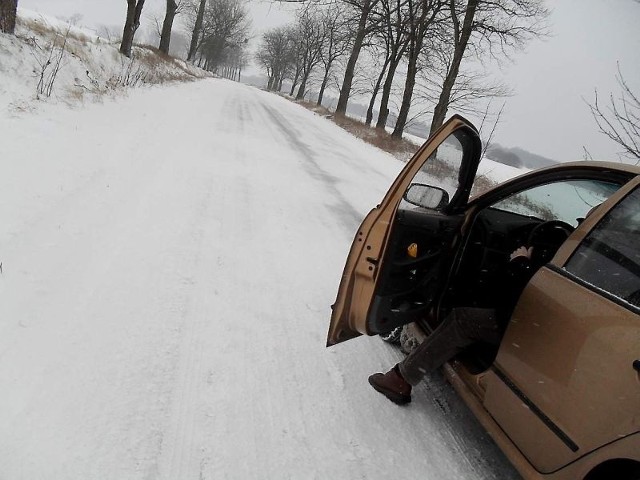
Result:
[[551, 79]]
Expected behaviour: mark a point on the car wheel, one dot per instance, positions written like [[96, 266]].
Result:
[[393, 336]]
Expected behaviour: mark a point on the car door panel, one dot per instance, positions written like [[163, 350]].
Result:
[[558, 373], [352, 313], [411, 280]]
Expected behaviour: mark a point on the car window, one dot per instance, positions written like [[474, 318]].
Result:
[[442, 169], [609, 257], [568, 200]]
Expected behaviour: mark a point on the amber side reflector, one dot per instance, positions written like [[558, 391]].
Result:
[[412, 250]]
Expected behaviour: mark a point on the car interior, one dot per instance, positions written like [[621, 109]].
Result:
[[422, 248], [429, 268], [494, 235]]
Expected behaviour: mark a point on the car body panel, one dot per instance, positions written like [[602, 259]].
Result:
[[466, 384], [563, 383]]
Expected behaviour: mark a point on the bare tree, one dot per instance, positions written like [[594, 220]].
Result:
[[395, 32], [620, 119], [196, 30], [424, 17], [336, 42], [498, 25], [134, 11], [312, 37], [173, 8], [224, 30], [8, 9], [472, 86], [276, 54], [297, 59], [375, 87], [364, 7], [487, 139]]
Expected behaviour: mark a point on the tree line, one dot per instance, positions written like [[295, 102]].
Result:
[[428, 40], [219, 30]]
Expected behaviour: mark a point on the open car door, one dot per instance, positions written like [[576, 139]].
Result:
[[398, 260]]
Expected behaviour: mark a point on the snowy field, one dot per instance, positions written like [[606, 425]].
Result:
[[168, 262]]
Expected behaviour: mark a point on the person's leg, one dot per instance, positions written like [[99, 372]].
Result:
[[462, 327]]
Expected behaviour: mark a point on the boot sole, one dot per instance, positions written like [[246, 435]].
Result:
[[395, 397]]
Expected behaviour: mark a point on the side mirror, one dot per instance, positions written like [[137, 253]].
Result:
[[426, 196]]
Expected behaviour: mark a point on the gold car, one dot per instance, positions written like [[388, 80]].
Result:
[[561, 394]]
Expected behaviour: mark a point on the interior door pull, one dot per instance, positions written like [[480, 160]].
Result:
[[636, 365]]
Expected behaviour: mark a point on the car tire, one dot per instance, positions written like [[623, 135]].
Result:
[[393, 336]]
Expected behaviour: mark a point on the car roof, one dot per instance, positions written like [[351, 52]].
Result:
[[618, 166]]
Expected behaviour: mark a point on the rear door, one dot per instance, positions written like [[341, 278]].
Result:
[[400, 251], [566, 380]]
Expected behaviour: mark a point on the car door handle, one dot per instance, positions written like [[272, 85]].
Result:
[[636, 365]]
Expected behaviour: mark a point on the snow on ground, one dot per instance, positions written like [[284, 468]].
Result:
[[168, 262], [90, 67]]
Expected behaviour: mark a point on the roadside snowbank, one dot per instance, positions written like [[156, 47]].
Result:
[[50, 59]]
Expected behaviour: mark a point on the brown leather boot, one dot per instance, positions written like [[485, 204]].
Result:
[[392, 386]]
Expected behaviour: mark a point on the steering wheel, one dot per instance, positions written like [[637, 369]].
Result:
[[546, 238]]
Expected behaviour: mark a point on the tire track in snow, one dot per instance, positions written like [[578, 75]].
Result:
[[178, 455], [185, 454], [345, 213]]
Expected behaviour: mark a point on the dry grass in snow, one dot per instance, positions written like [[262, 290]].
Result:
[[53, 60]]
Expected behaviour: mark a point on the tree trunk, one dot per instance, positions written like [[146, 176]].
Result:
[[374, 94], [301, 90], [167, 25], [440, 110], [294, 83], [323, 85], [195, 36], [386, 93], [345, 90], [8, 9], [410, 82], [134, 10]]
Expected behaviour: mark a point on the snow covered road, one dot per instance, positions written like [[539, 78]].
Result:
[[168, 262]]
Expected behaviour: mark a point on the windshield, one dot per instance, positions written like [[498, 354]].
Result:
[[568, 200]]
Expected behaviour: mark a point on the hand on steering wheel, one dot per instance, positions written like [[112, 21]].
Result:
[[521, 252], [546, 237]]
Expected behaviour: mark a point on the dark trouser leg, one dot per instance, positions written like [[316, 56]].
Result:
[[462, 327]]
